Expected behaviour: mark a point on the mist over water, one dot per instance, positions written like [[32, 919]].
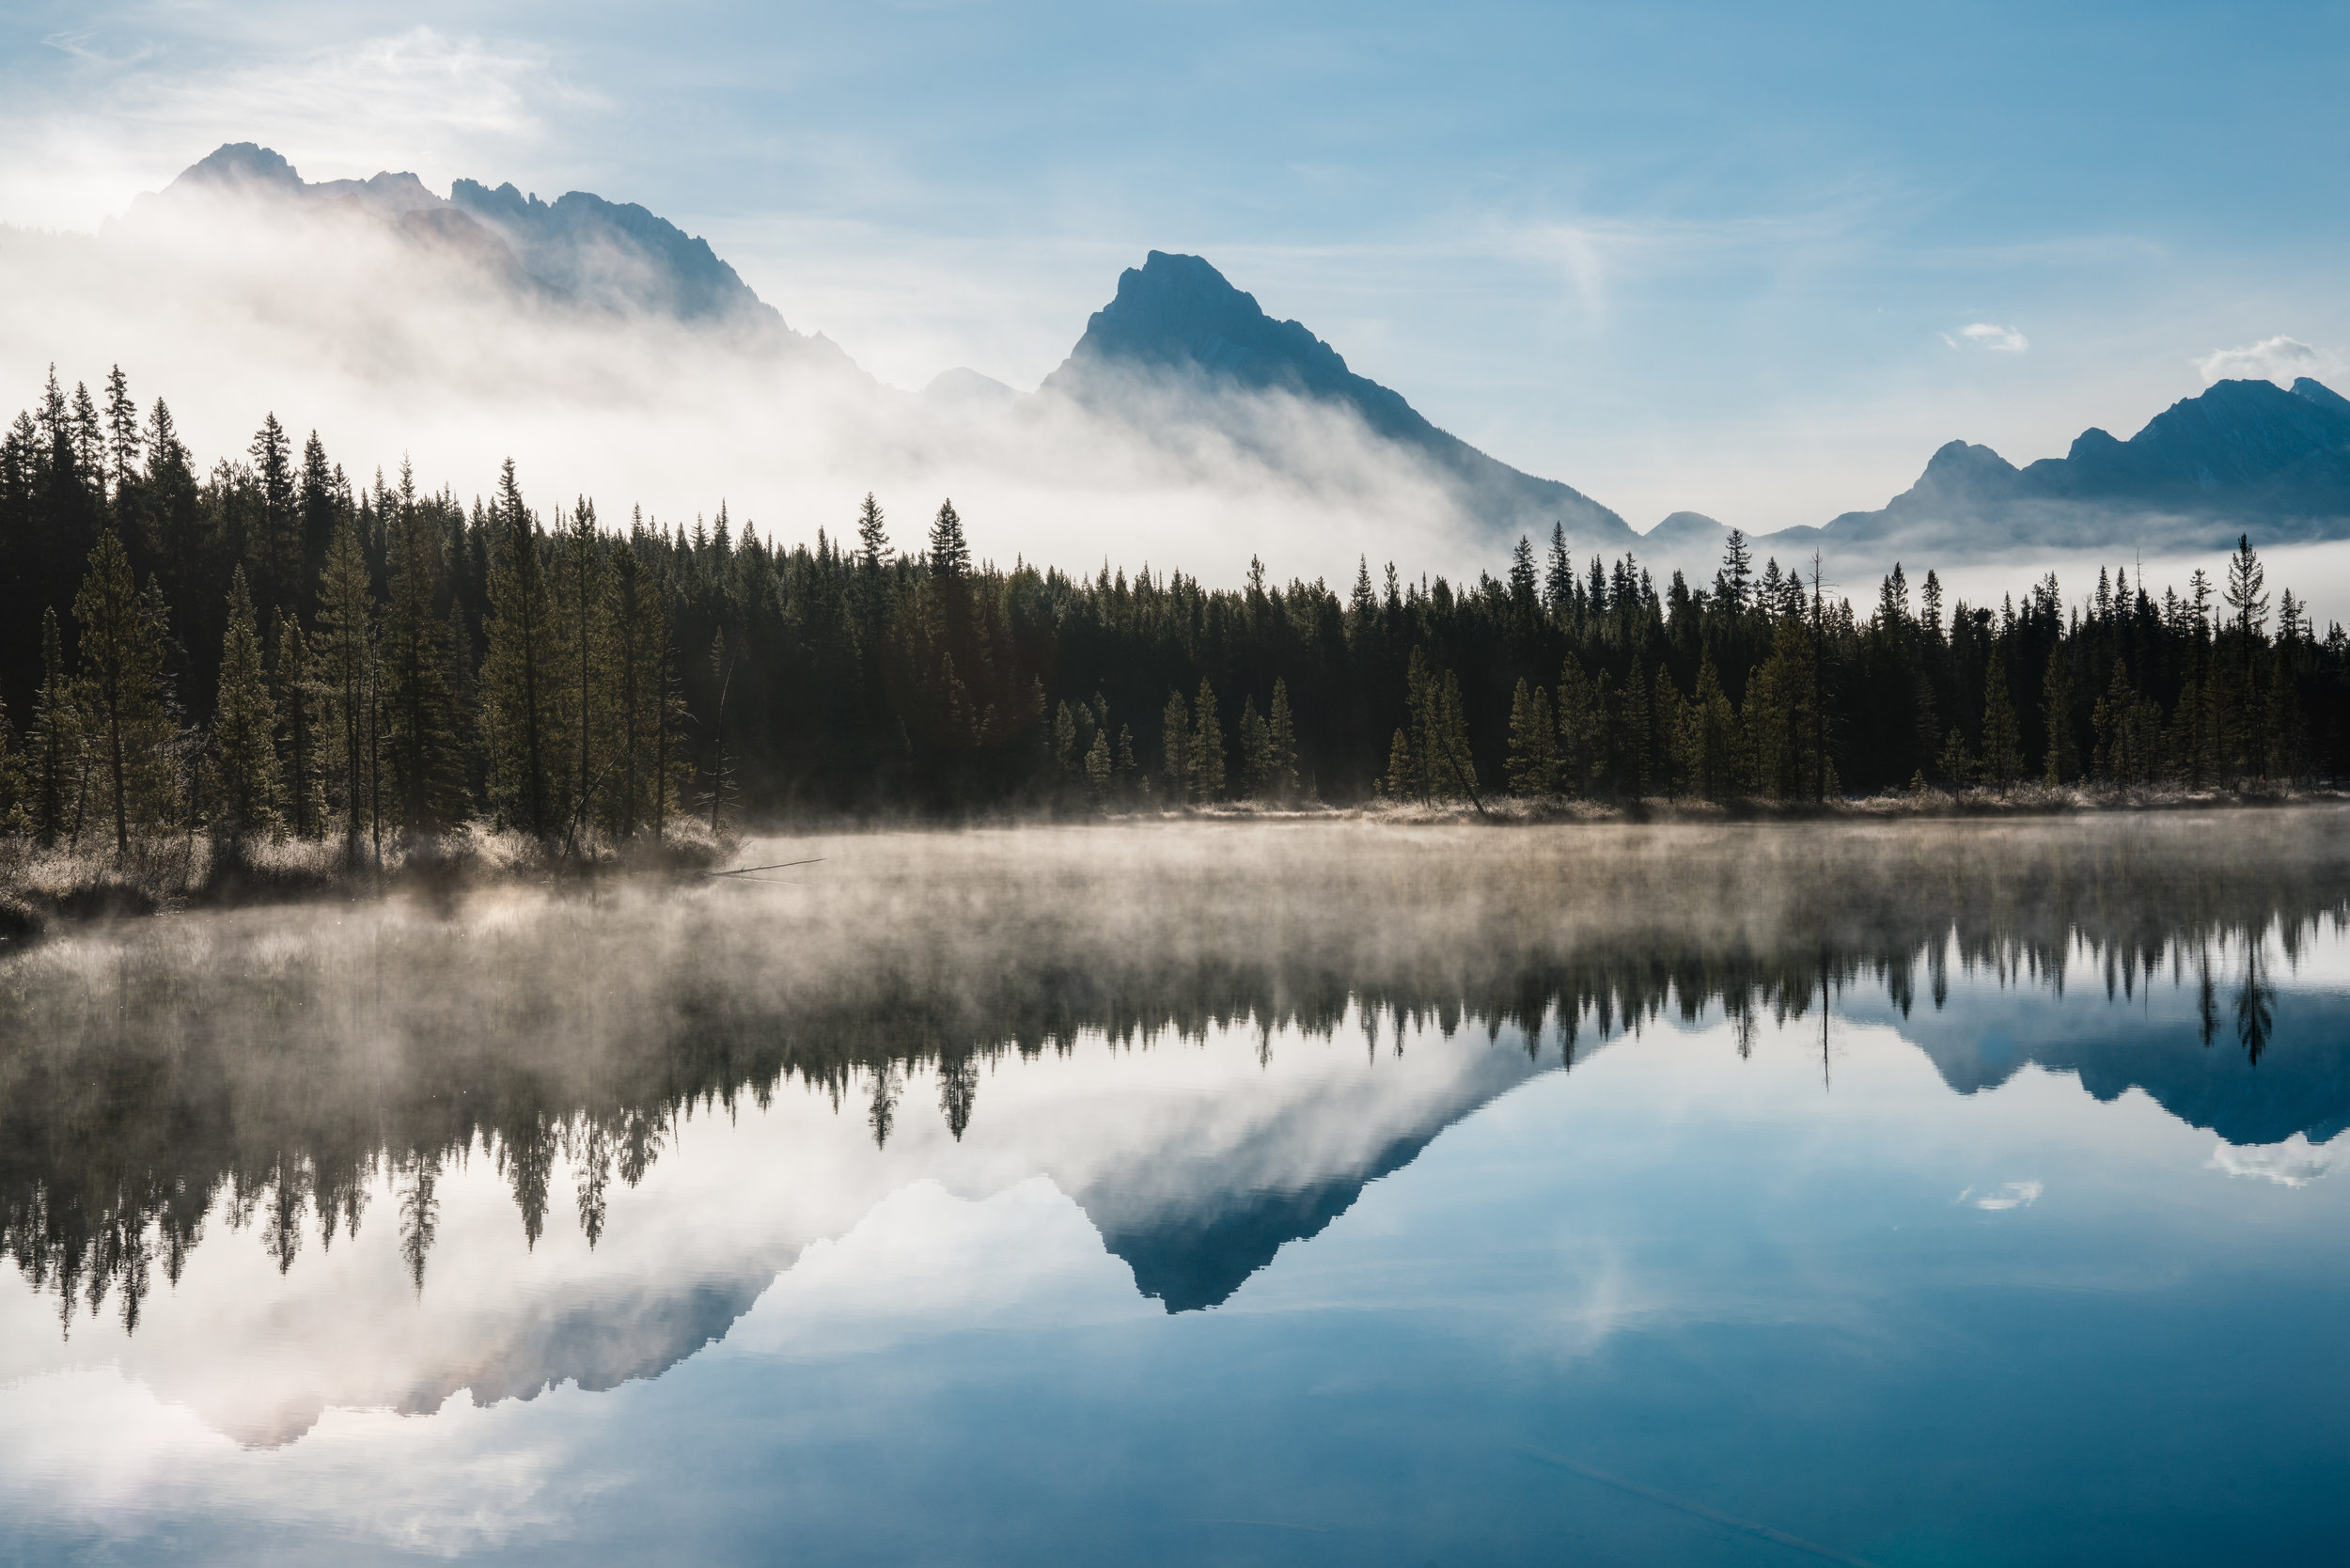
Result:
[[1475, 1189]]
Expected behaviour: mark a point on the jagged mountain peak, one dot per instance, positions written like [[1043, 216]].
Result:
[[581, 249], [1177, 315]]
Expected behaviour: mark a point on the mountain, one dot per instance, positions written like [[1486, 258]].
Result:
[[1177, 318], [2245, 455], [579, 251]]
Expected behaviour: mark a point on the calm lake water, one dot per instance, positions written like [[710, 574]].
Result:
[[1208, 1194]]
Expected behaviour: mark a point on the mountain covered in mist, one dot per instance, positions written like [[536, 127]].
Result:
[[1177, 317], [579, 251], [1179, 351], [2245, 455]]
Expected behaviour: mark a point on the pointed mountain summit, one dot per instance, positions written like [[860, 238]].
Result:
[[1177, 317]]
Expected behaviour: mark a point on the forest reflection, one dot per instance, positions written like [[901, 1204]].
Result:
[[271, 1069]]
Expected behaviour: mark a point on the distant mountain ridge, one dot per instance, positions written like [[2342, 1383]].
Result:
[[1177, 315], [2243, 456]]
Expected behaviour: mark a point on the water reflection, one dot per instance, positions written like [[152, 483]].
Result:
[[315, 1075]]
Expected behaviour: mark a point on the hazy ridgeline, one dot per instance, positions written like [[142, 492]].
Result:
[[272, 649], [264, 1069]]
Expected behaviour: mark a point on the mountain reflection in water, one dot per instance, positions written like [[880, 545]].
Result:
[[1210, 1038]]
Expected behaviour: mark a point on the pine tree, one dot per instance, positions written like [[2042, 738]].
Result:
[[298, 700], [1558, 577], [1735, 583], [1256, 749], [122, 694], [949, 556], [1281, 747], [519, 684], [280, 545], [123, 438], [872, 536], [1207, 748], [1405, 779], [54, 761], [2062, 763], [1713, 730], [1098, 769], [344, 647], [1175, 748], [1440, 731], [1634, 771], [647, 710], [2002, 742], [245, 725], [420, 711], [1582, 740], [1533, 767], [580, 709]]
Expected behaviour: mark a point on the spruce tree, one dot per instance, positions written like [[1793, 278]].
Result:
[[244, 723], [2056, 702], [950, 555], [643, 703], [1403, 779], [1582, 742], [1533, 767], [2003, 741], [299, 721], [343, 648], [1175, 748], [1281, 747], [581, 709], [1207, 748], [1256, 748], [1098, 769], [121, 693], [427, 779], [1712, 735], [519, 684]]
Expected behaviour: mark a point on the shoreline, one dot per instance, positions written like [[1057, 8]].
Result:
[[42, 891]]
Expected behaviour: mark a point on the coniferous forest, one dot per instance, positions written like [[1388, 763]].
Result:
[[273, 647]]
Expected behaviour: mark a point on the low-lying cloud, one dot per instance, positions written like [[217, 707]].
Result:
[[2280, 359], [393, 343]]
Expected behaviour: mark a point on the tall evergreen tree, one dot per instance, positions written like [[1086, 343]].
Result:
[[301, 724], [520, 682], [1175, 748], [1281, 747], [121, 693], [1207, 748], [1533, 768], [2002, 740], [344, 648], [420, 738], [2062, 763], [245, 725]]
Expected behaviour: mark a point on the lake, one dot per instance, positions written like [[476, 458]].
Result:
[[1293, 1192]]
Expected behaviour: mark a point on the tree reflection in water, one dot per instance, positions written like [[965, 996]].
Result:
[[268, 1068]]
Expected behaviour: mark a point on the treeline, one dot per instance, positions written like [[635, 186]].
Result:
[[270, 647]]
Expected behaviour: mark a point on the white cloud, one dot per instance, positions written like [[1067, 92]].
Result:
[[2279, 359], [2295, 1163], [1984, 334], [2008, 1195]]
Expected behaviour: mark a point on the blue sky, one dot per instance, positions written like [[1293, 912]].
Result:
[[1677, 255]]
